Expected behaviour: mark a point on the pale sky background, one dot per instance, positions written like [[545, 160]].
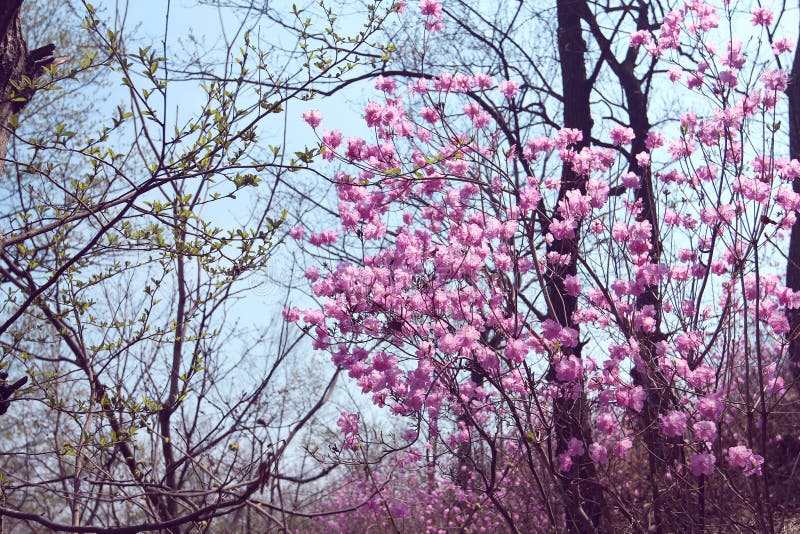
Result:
[[265, 299], [212, 28], [208, 25]]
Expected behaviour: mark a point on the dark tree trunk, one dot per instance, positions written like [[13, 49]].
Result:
[[661, 454], [793, 257], [583, 496], [13, 55], [15, 64], [659, 400], [13, 59]]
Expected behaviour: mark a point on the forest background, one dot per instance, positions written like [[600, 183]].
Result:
[[435, 267]]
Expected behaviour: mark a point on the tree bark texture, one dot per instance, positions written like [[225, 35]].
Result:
[[793, 256], [583, 496], [13, 54], [13, 59]]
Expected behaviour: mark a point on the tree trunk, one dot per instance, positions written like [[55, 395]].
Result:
[[583, 496], [13, 54], [13, 57], [793, 256]]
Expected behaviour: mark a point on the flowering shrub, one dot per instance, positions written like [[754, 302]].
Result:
[[411, 497], [472, 248]]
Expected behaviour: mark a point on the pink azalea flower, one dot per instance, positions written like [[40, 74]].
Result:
[[761, 16], [509, 88], [780, 46], [621, 136], [598, 453], [744, 458], [673, 424], [291, 315], [483, 81], [710, 407], [430, 8], [386, 84], [704, 431], [564, 462], [348, 423], [606, 422], [640, 38], [313, 117], [702, 464], [622, 447]]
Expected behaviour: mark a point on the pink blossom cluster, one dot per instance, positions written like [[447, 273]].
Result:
[[348, 424], [445, 313], [432, 10], [415, 497]]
